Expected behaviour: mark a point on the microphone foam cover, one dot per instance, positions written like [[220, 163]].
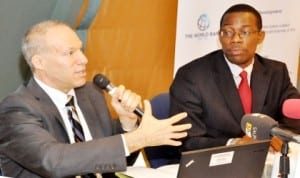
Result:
[[291, 108], [258, 126], [101, 81]]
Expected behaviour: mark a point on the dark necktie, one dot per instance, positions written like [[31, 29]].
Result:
[[74, 120], [245, 93], [76, 127]]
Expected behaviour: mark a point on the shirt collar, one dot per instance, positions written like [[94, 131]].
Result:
[[236, 70], [58, 97]]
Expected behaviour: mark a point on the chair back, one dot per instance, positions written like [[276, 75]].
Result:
[[161, 155], [161, 105]]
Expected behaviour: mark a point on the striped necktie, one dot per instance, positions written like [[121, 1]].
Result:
[[76, 127], [74, 120], [245, 93]]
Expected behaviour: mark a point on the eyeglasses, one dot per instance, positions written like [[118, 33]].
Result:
[[241, 34]]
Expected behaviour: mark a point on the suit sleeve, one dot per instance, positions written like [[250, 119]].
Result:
[[33, 140], [185, 97]]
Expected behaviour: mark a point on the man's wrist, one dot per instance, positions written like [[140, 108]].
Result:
[[129, 127]]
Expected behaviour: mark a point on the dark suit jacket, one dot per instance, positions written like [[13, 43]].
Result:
[[34, 141], [205, 88]]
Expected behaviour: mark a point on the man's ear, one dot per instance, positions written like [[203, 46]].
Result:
[[261, 37], [37, 62]]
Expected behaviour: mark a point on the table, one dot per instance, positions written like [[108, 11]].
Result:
[[271, 167]]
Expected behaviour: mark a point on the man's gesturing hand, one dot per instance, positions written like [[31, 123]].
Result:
[[154, 132]]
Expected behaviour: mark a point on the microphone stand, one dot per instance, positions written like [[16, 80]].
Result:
[[284, 166]]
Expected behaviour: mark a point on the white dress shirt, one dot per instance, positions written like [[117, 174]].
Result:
[[236, 70]]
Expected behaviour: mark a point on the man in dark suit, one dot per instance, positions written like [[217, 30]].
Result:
[[207, 88], [37, 138]]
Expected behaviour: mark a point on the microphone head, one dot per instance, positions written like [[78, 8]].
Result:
[[291, 108], [101, 81], [258, 126]]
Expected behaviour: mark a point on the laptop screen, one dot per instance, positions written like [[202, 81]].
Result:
[[236, 161]]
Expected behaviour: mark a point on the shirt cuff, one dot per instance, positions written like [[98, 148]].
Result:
[[125, 146], [232, 141]]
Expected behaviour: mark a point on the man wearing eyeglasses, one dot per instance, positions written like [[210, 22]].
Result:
[[216, 90]]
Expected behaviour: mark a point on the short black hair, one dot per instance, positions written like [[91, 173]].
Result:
[[244, 8]]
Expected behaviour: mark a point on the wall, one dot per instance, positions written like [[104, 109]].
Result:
[[132, 43], [16, 16]]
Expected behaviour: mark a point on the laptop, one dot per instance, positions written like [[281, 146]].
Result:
[[236, 161]]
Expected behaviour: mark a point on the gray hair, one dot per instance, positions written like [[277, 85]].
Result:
[[34, 39]]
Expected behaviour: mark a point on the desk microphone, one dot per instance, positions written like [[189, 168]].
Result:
[[291, 108], [260, 126], [103, 82]]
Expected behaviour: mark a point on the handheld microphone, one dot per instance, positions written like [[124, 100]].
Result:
[[103, 82], [260, 126], [291, 108]]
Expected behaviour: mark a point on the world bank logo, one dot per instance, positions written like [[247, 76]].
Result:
[[203, 22]]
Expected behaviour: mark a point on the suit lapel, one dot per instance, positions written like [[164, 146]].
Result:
[[89, 113], [260, 80], [42, 97], [83, 102], [225, 83], [259, 84]]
